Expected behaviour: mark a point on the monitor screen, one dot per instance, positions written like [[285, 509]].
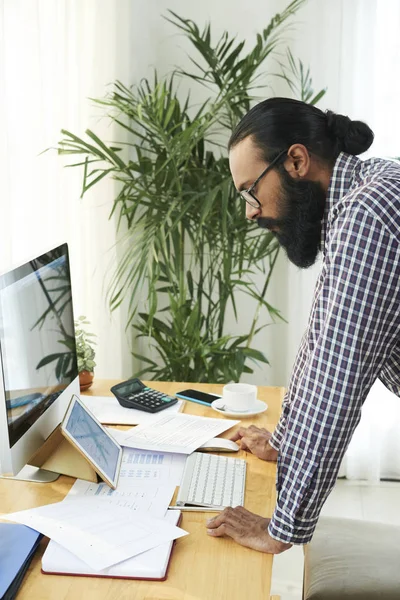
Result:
[[37, 338]]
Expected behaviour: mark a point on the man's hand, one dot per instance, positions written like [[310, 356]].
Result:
[[256, 441], [246, 529]]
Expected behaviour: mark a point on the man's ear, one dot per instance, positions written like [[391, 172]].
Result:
[[298, 162]]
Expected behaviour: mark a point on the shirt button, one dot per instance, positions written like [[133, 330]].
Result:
[[286, 528]]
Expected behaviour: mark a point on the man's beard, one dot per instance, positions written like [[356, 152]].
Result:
[[299, 229]]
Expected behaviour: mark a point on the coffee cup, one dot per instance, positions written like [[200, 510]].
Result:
[[239, 397]]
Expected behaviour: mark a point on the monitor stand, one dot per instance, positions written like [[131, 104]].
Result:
[[57, 456], [33, 474]]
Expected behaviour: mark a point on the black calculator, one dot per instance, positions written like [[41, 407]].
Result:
[[134, 394]]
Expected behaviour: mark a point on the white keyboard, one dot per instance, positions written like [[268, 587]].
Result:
[[212, 481]]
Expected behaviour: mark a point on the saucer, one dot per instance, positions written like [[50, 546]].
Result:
[[259, 408]]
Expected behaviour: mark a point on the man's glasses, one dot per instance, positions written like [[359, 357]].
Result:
[[248, 194]]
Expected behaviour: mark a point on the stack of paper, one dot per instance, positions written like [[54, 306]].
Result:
[[149, 499], [108, 411], [100, 537], [177, 433], [152, 467], [152, 564], [141, 468], [95, 527]]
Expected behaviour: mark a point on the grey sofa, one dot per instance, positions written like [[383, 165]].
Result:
[[349, 559]]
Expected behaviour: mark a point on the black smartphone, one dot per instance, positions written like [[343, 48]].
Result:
[[196, 396]]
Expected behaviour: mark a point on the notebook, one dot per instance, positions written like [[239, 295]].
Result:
[[17, 547], [152, 565]]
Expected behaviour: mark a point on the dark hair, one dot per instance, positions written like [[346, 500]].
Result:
[[277, 123]]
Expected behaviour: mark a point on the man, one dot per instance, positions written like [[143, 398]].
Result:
[[297, 170]]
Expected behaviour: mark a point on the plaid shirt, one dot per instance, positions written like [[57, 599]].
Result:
[[352, 338]]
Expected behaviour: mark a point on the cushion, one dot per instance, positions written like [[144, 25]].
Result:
[[352, 559]]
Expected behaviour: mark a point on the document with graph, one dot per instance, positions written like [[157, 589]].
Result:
[[178, 433]]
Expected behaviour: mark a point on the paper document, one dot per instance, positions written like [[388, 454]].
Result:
[[109, 411], [152, 564], [151, 499], [97, 535], [151, 467], [179, 433]]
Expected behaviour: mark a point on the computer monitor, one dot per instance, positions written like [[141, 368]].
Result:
[[38, 365]]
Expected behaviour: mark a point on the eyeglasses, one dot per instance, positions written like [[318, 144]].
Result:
[[248, 194]]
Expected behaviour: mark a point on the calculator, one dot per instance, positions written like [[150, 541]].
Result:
[[134, 394]]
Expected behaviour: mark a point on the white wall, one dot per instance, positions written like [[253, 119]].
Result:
[[54, 56]]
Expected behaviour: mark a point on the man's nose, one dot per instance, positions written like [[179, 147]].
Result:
[[252, 213]]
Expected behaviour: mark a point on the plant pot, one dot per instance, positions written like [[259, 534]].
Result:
[[85, 380]]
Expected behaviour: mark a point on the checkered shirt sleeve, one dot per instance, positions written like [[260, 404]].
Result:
[[351, 337]]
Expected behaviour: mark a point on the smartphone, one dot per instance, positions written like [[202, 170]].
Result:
[[195, 396]]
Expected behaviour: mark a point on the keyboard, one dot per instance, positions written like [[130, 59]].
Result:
[[212, 481]]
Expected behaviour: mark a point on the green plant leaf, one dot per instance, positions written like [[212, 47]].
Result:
[[48, 359], [186, 252]]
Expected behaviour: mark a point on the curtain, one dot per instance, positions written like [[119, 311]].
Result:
[[54, 56], [353, 48], [374, 452]]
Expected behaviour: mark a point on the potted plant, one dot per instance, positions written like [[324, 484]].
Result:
[[85, 353], [187, 241]]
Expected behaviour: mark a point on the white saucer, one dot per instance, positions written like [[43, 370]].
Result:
[[259, 408]]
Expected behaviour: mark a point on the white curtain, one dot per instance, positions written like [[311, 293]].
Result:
[[374, 452], [370, 75], [54, 56], [353, 48]]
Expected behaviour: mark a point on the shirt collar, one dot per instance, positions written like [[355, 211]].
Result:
[[340, 183]]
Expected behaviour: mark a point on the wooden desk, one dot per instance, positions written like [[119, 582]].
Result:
[[202, 567]]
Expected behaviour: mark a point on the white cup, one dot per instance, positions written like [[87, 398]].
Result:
[[239, 397]]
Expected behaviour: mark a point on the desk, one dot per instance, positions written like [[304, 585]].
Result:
[[202, 567]]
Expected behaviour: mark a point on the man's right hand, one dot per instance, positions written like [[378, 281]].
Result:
[[256, 441]]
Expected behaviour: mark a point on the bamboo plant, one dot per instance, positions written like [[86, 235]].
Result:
[[182, 230]]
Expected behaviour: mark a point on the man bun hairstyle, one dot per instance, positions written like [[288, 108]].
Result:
[[353, 137], [277, 123]]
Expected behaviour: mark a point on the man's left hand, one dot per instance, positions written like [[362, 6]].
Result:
[[247, 529]]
